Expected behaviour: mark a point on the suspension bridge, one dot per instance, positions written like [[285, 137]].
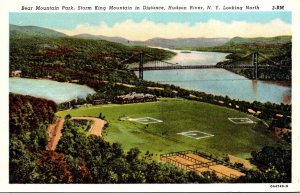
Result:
[[157, 64]]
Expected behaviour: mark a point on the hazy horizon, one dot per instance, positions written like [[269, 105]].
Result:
[[144, 26]]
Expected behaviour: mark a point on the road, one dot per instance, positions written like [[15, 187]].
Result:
[[54, 130], [96, 127], [55, 133]]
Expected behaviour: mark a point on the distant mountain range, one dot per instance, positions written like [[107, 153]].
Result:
[[100, 37], [162, 42], [186, 42], [155, 42]]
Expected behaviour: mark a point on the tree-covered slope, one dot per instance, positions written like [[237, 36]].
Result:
[[67, 58], [277, 39], [23, 31]]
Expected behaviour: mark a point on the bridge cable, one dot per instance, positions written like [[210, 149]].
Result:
[[162, 61], [211, 80], [267, 58], [121, 62]]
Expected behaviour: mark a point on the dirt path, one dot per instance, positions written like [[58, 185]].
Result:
[[97, 126], [55, 133], [54, 130]]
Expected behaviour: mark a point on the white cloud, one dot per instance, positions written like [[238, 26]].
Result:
[[146, 29]]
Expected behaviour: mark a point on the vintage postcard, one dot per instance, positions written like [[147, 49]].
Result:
[[129, 95]]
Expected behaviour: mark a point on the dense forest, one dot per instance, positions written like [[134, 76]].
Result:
[[28, 121], [66, 59]]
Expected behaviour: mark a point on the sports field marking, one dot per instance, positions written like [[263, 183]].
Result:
[[145, 120], [241, 120], [196, 134]]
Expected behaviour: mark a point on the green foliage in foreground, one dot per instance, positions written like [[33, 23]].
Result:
[[180, 116], [274, 165]]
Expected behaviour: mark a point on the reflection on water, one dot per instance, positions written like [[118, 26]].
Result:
[[197, 58], [254, 86], [219, 81], [287, 98]]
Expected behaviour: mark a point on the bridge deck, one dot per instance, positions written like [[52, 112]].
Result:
[[174, 67]]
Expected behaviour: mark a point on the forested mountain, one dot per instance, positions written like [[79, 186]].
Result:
[[100, 37], [272, 40], [177, 43], [16, 31], [66, 58]]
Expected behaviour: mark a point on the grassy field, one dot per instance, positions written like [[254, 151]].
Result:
[[180, 116]]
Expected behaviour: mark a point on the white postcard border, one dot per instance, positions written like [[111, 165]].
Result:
[[266, 5]]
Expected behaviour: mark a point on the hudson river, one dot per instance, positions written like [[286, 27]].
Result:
[[218, 81]]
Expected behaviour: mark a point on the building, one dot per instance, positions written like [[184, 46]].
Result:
[[134, 98], [99, 101], [16, 73]]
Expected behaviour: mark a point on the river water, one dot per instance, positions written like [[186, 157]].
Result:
[[48, 89], [218, 81]]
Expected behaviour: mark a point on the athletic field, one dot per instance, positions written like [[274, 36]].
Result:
[[172, 125]]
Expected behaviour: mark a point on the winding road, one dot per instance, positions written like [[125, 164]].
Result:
[[54, 130]]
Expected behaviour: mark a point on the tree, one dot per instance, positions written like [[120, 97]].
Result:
[[54, 168], [68, 116], [274, 162], [39, 138], [22, 163], [101, 116], [79, 169], [132, 154]]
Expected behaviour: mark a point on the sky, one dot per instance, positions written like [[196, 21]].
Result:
[[143, 26]]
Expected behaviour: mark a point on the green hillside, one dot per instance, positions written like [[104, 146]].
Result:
[[277, 39], [23, 31], [39, 52]]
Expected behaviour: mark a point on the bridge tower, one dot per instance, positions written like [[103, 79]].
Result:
[[141, 66], [255, 64]]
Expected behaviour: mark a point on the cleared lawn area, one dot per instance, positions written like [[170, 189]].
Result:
[[179, 116]]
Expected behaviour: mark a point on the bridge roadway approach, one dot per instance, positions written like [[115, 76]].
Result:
[[175, 67]]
